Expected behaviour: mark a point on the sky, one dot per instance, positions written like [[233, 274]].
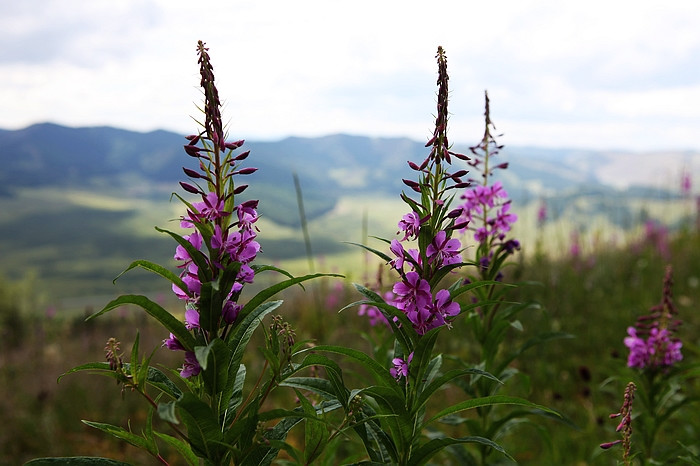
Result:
[[589, 74]]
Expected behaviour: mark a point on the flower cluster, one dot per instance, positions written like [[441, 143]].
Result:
[[485, 210], [430, 223], [651, 341], [217, 253]]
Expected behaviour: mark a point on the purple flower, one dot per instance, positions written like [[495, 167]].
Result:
[[374, 314], [247, 215], [173, 343], [410, 225], [191, 319], [181, 254], [412, 293], [658, 350], [212, 207], [412, 256], [400, 368], [231, 311], [503, 221], [444, 306], [443, 249], [542, 214], [242, 247], [190, 367], [191, 279]]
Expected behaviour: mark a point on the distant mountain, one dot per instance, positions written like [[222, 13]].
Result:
[[103, 157], [78, 204]]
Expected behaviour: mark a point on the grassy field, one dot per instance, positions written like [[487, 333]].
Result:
[[594, 297]]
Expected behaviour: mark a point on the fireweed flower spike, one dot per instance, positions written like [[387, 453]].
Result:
[[625, 424], [223, 240], [651, 341], [485, 210], [431, 222]]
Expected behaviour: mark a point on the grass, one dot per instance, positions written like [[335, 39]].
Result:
[[593, 297]]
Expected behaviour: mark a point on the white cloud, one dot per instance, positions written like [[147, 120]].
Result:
[[593, 73]]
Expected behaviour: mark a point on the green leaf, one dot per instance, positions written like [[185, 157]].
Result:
[[373, 251], [394, 405], [315, 432], [75, 461], [202, 427], [404, 333], [488, 401], [122, 434], [239, 339], [378, 371], [214, 361], [236, 397], [158, 270], [335, 375], [321, 387], [425, 452], [423, 354], [159, 380], [166, 411], [168, 321], [269, 292], [428, 390], [99, 368], [264, 268], [155, 377], [197, 256], [182, 447], [472, 286]]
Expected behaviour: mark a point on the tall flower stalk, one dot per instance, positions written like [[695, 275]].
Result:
[[656, 362], [212, 419], [425, 259]]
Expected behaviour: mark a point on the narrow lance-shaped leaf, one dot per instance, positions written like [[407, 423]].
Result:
[[158, 270], [421, 455], [488, 401], [168, 321]]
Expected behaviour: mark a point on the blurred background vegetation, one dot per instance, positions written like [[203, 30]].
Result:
[[594, 294]]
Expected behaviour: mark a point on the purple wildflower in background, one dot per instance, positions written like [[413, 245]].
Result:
[[651, 341], [485, 210], [542, 214], [686, 184]]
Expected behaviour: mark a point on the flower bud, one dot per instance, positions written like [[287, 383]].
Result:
[[234, 145], [191, 173], [240, 189], [192, 150], [241, 156], [246, 171], [189, 188]]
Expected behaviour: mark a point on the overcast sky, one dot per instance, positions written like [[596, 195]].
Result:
[[588, 74]]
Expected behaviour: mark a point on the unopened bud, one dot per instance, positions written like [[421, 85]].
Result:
[[246, 171], [234, 145], [242, 155], [189, 188], [192, 150], [191, 173], [607, 445]]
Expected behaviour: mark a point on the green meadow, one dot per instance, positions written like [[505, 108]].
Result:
[[593, 297]]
